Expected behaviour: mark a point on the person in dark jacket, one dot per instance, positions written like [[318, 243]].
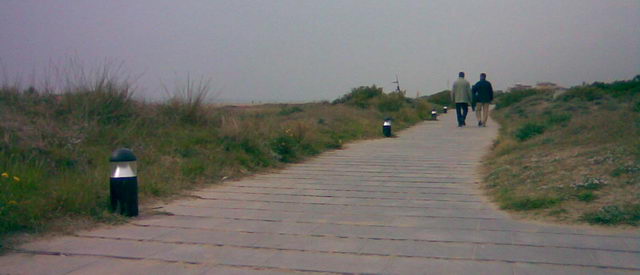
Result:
[[482, 97]]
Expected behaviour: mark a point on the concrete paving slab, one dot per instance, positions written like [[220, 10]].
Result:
[[328, 262], [534, 269], [22, 263], [198, 236], [123, 266], [419, 249], [250, 271], [403, 266], [550, 255], [618, 259], [206, 254], [128, 231], [95, 246]]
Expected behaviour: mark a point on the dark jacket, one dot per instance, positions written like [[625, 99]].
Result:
[[482, 92]]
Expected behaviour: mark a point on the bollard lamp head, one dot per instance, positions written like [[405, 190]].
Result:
[[123, 163]]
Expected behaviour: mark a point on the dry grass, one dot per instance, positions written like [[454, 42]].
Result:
[[57, 145]]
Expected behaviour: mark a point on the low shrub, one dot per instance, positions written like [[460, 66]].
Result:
[[588, 93], [360, 96], [511, 98], [529, 130], [614, 214], [285, 111], [442, 98], [586, 196], [554, 118], [528, 203], [392, 102]]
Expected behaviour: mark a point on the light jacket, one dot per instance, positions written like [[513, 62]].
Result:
[[461, 92]]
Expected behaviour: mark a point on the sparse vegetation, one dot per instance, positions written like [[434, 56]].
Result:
[[575, 158], [508, 99], [614, 214], [441, 98], [54, 147]]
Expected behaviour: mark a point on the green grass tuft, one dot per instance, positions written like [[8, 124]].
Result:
[[529, 130], [614, 215], [587, 196], [528, 203]]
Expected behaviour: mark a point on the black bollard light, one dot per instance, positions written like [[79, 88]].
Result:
[[434, 114], [124, 182], [386, 127], [444, 109]]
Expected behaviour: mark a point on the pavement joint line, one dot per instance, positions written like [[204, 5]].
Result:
[[374, 164], [54, 253], [269, 193], [416, 171], [368, 185], [323, 203], [337, 204], [396, 176], [210, 265], [472, 259], [477, 228], [309, 222], [395, 180], [369, 159], [381, 165], [423, 200], [365, 168], [376, 238], [326, 196], [395, 185], [388, 226]]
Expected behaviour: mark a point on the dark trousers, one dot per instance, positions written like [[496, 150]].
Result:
[[461, 111]]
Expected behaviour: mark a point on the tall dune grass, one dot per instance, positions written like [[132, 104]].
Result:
[[54, 145]]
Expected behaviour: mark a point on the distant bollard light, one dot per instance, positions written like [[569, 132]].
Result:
[[434, 114], [444, 109], [124, 182], [386, 127]]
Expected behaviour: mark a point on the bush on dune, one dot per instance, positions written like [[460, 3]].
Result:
[[572, 158]]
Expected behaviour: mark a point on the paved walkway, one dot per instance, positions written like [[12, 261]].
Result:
[[406, 205]]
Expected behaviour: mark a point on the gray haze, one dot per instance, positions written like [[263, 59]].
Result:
[[313, 50]]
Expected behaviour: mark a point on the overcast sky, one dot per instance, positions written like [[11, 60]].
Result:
[[312, 50]]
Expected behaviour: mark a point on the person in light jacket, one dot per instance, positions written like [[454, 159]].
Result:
[[461, 96], [482, 97]]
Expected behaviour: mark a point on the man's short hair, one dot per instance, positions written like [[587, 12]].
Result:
[[461, 74], [483, 75]]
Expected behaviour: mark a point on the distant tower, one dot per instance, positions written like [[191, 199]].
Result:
[[397, 82]]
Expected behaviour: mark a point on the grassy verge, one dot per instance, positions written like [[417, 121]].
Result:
[[571, 158], [54, 147]]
